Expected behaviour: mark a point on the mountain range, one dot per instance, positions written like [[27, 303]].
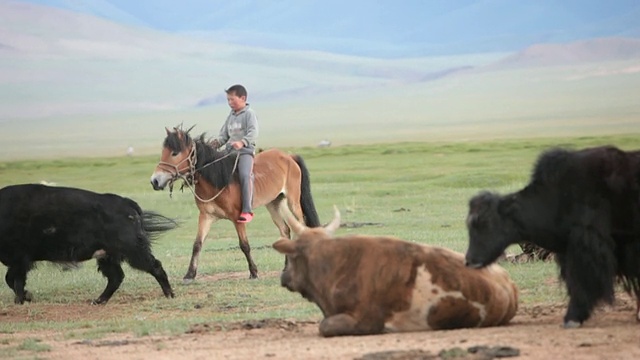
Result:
[[375, 28], [72, 70]]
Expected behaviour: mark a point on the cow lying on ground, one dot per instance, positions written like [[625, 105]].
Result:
[[370, 285], [582, 205], [59, 224]]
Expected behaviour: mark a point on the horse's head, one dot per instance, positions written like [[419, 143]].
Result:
[[176, 160]]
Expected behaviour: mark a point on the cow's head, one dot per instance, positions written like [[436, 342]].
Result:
[[299, 251], [491, 228]]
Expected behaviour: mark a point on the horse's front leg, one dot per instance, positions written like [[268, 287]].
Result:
[[246, 249], [204, 224]]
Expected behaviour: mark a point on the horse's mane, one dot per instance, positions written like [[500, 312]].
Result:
[[217, 167]]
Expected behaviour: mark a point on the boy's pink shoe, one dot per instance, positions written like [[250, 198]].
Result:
[[245, 217]]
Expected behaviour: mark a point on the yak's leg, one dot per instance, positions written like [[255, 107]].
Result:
[[111, 269], [204, 224], [578, 311], [145, 261], [246, 249], [16, 278], [282, 226], [588, 268], [343, 324]]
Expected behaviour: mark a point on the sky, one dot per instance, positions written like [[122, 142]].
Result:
[[376, 28]]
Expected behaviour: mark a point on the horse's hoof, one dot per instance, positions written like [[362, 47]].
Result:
[[571, 324]]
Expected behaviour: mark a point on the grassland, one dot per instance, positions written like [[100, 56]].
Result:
[[415, 191]]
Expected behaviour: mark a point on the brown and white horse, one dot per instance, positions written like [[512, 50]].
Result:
[[212, 177]]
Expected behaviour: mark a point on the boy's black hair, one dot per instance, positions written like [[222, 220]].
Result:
[[237, 90]]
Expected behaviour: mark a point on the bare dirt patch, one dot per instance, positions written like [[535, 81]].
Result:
[[535, 333]]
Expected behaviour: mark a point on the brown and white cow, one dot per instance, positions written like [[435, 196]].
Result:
[[374, 284]]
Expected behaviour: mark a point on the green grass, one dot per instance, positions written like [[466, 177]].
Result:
[[416, 191]]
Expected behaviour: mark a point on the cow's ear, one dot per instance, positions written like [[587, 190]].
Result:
[[285, 246]]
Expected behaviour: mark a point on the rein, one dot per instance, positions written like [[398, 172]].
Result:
[[188, 179]]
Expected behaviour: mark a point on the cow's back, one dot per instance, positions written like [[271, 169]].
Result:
[[449, 295]]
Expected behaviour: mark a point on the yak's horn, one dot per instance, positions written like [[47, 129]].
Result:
[[296, 226], [335, 223]]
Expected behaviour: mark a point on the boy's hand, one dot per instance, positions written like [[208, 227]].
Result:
[[237, 145]]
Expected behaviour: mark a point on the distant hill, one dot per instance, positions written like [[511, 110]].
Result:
[[592, 50], [62, 63], [69, 63], [71, 80], [415, 28]]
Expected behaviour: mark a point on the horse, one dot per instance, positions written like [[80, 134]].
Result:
[[210, 174]]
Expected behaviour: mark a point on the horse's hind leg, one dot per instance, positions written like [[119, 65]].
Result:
[[283, 228], [273, 208], [145, 261], [111, 269], [246, 249], [16, 278], [204, 224]]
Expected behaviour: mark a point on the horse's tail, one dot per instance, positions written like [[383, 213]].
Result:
[[311, 218], [154, 224]]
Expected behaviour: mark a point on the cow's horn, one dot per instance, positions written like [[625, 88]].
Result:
[[335, 223], [294, 224]]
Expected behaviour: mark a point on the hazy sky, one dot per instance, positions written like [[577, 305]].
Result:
[[377, 28]]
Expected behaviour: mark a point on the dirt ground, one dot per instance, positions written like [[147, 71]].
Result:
[[535, 333]]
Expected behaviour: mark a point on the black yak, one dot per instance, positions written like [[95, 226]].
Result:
[[59, 224], [582, 205]]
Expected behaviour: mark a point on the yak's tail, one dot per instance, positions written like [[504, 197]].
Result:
[[311, 218], [154, 224]]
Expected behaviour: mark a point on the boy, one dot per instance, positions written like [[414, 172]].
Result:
[[239, 132]]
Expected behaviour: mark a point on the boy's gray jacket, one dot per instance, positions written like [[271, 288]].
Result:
[[240, 126]]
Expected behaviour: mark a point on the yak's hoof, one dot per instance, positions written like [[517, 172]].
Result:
[[187, 281], [99, 301], [571, 324], [27, 297], [253, 276]]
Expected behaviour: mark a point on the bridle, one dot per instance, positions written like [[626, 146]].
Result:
[[188, 178]]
